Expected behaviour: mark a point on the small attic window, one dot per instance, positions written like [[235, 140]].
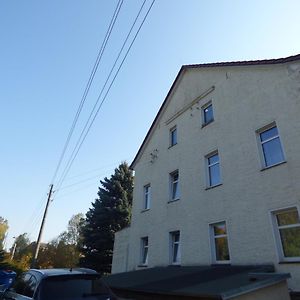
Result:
[[173, 136], [207, 113]]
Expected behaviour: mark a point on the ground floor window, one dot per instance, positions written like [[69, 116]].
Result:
[[219, 242], [287, 233], [175, 247], [144, 250]]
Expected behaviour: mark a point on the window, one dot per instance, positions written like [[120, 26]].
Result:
[[219, 243], [213, 172], [147, 196], [287, 232], [174, 186], [26, 285], [144, 250], [175, 247], [207, 113], [271, 146], [173, 136]]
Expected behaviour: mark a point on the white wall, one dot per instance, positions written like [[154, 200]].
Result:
[[245, 99]]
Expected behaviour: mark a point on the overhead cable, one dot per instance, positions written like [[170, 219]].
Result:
[[89, 123], [88, 85]]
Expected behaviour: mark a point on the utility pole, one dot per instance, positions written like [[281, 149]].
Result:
[[38, 242], [14, 249]]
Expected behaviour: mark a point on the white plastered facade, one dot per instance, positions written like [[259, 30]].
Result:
[[244, 99]]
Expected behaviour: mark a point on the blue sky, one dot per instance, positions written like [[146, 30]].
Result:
[[48, 49]]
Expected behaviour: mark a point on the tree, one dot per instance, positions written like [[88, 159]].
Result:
[[3, 259], [63, 251], [22, 242], [73, 234], [3, 231], [110, 213]]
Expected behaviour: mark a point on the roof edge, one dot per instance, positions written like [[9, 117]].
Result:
[[208, 65]]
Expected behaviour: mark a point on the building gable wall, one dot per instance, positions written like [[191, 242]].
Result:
[[244, 99]]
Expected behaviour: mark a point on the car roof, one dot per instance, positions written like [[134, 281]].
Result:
[[63, 271]]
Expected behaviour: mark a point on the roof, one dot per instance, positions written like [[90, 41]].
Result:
[[215, 282], [209, 65], [63, 272]]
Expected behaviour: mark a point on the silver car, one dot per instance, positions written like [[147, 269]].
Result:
[[59, 284]]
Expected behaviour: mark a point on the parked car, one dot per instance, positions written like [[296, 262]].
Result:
[[59, 284], [7, 277]]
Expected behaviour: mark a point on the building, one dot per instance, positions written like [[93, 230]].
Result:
[[217, 175]]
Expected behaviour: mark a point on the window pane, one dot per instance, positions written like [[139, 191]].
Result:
[[213, 159], [73, 289], [175, 193], [176, 237], [147, 196], [219, 229], [173, 137], [145, 242], [208, 114], [268, 134], [145, 256], [175, 253], [288, 217], [290, 239], [175, 176], [222, 252], [214, 175], [273, 152]]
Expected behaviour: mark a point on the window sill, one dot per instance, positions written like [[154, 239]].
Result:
[[272, 166], [207, 123], [171, 146], [173, 200], [144, 210], [226, 263], [142, 266], [178, 264], [213, 186]]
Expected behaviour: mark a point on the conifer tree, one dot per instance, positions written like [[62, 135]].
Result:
[[110, 213]]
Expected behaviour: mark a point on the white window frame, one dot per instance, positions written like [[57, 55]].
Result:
[[172, 183], [276, 232], [144, 248], [212, 239], [147, 196], [260, 143], [208, 166], [172, 235], [205, 106], [171, 133]]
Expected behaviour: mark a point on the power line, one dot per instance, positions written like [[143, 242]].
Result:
[[76, 191], [98, 99], [88, 85], [35, 213], [95, 170], [84, 135], [83, 181]]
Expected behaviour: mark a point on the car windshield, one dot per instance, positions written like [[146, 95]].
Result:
[[73, 289]]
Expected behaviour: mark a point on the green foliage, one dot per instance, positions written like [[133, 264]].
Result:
[[58, 254], [3, 260], [3, 231], [110, 213], [6, 263], [21, 246], [73, 234], [63, 251]]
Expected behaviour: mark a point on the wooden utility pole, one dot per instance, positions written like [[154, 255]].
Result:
[[14, 249], [38, 242]]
